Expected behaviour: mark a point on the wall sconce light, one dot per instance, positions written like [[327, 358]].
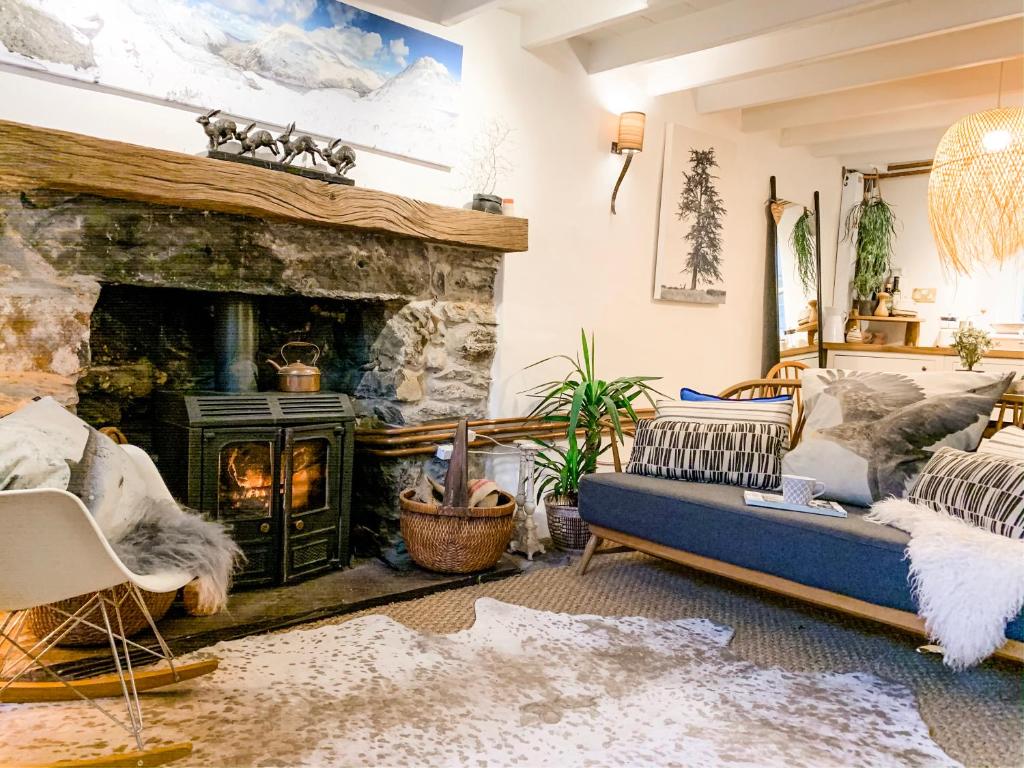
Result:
[[629, 141]]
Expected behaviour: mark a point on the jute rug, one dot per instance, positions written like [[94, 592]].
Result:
[[778, 648]]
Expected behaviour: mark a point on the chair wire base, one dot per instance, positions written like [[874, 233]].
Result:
[[28, 658]]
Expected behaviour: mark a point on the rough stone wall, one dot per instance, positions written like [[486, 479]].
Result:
[[431, 359]]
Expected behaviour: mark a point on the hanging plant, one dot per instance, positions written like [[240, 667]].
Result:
[[875, 224], [801, 239]]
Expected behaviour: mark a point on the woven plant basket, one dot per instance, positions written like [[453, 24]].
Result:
[[457, 540], [568, 530], [44, 619]]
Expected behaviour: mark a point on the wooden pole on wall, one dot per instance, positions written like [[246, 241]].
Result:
[[817, 267], [770, 349]]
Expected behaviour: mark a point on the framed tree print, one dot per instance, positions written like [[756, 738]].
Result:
[[694, 203]]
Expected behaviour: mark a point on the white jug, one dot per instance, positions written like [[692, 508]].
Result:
[[835, 325]]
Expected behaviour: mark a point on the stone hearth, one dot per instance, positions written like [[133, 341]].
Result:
[[105, 301]]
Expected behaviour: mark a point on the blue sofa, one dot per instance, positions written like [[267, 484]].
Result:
[[849, 564]]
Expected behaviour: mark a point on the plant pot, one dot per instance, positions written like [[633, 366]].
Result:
[[568, 530], [456, 540], [487, 203], [865, 307]]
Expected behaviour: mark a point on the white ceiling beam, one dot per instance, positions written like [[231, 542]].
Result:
[[927, 90], [873, 28], [992, 42], [447, 12], [919, 118], [717, 25], [451, 12], [553, 22], [921, 141], [425, 10]]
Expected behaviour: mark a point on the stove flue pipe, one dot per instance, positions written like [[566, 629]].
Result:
[[235, 344]]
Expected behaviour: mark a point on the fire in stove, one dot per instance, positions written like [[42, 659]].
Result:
[[248, 480]]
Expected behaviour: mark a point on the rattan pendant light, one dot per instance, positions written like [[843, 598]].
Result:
[[976, 189]]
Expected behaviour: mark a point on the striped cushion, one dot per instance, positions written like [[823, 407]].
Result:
[[728, 412], [985, 489], [729, 453], [1008, 442]]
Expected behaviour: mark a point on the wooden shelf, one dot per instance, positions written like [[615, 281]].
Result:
[[898, 349], [912, 325], [798, 351], [873, 319], [41, 158]]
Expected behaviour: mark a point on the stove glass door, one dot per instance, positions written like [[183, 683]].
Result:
[[240, 489], [246, 480], [310, 462]]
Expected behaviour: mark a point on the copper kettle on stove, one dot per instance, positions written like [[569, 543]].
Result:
[[296, 376]]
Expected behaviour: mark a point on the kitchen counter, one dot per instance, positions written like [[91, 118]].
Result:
[[899, 349]]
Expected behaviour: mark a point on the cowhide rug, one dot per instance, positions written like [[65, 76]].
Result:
[[521, 688]]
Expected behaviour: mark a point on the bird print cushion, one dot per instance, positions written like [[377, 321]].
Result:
[[868, 434]]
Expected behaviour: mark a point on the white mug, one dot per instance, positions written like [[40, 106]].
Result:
[[801, 490]]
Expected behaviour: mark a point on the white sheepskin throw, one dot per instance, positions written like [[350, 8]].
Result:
[[968, 582]]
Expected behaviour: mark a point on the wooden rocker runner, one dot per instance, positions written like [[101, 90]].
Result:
[[52, 550]]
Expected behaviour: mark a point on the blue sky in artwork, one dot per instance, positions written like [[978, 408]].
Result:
[[401, 45], [419, 43]]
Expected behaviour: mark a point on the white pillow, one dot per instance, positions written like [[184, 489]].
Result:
[[43, 445], [1007, 442], [36, 444]]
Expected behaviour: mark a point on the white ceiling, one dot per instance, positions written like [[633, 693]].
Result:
[[854, 79]]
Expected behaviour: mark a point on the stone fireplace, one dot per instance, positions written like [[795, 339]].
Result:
[[106, 302]]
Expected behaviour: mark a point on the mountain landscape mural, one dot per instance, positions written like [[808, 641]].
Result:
[[335, 70]]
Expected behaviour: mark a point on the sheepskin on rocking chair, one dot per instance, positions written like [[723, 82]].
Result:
[[42, 445]]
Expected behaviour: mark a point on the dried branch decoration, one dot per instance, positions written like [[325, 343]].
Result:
[[489, 159]]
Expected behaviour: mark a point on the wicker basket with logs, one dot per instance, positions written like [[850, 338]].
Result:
[[454, 537]]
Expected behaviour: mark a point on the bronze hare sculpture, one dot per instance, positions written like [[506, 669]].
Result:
[[342, 159], [219, 132], [253, 141], [300, 144]]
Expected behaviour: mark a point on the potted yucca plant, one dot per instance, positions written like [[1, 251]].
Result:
[[585, 404]]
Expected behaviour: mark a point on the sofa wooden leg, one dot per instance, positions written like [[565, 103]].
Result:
[[592, 545]]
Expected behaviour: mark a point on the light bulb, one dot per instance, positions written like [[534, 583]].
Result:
[[996, 141]]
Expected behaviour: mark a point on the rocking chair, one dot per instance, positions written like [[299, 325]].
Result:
[[52, 550]]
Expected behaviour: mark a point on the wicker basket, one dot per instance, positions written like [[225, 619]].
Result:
[[44, 619], [456, 540], [568, 530]]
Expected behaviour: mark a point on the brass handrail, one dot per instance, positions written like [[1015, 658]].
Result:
[[423, 439]]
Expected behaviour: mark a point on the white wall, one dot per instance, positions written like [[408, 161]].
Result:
[[585, 268]]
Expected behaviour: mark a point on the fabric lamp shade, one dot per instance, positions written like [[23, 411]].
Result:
[[975, 190], [631, 132]]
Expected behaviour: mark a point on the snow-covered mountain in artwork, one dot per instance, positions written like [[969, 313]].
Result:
[[333, 69]]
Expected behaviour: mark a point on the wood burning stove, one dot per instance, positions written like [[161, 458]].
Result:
[[274, 467]]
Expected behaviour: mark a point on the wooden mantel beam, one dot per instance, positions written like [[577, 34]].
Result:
[[125, 171]]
